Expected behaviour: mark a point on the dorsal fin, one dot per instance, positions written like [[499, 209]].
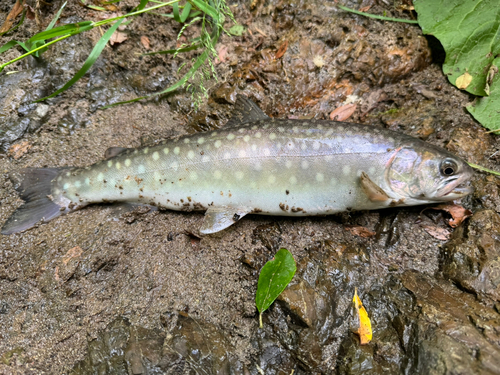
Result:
[[245, 111], [113, 151]]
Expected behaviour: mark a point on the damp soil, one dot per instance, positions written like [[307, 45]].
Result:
[[120, 290]]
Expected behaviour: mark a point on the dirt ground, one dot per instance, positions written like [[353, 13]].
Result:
[[114, 289]]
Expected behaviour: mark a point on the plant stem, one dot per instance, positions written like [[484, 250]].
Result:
[[375, 16]]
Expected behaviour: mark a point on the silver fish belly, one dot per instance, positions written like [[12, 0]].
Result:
[[262, 166]]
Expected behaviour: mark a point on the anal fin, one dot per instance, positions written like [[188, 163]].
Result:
[[219, 218], [374, 192]]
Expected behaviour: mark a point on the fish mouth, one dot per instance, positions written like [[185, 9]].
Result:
[[455, 189]]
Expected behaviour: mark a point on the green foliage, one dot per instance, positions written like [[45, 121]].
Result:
[[383, 18], [211, 14], [273, 279], [469, 31]]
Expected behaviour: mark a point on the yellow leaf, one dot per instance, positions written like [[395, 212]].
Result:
[[463, 81], [364, 329]]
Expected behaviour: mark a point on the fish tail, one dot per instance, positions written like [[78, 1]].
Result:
[[34, 186]]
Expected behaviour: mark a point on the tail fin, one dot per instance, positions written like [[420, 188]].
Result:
[[34, 187]]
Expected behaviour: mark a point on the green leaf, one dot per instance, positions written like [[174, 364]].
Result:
[[486, 110], [237, 30], [11, 44], [96, 52], [273, 279], [207, 9], [469, 31], [71, 28]]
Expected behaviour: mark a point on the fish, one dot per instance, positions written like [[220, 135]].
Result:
[[255, 164]]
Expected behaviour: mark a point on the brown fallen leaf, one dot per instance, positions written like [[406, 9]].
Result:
[[221, 54], [117, 38], [16, 10], [74, 252], [19, 149], [145, 42], [438, 233], [281, 51], [361, 232], [342, 113], [457, 212]]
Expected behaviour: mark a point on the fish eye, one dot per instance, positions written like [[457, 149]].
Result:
[[448, 167]]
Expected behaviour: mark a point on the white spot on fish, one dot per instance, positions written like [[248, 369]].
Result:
[[303, 146], [174, 165], [254, 147], [227, 155], [141, 168], [246, 138], [157, 176], [316, 145], [349, 132], [295, 129], [271, 179], [320, 177], [390, 140], [57, 192], [230, 136], [329, 157], [156, 155], [258, 135], [87, 181], [293, 180], [371, 170], [66, 186], [255, 127], [78, 184], [346, 170], [329, 133], [253, 185], [201, 140], [100, 177], [118, 165], [177, 150], [239, 175], [340, 128], [309, 131], [110, 164], [205, 159], [190, 154], [214, 134], [218, 175], [146, 150], [242, 154], [272, 136], [166, 150], [193, 175], [258, 166], [290, 145], [218, 143], [186, 140], [59, 178], [289, 164], [281, 129], [339, 139], [333, 181], [304, 164], [267, 152], [128, 162]]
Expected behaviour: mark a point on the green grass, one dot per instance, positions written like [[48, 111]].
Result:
[[210, 14]]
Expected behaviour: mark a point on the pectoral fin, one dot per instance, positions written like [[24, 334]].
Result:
[[374, 192], [219, 218], [114, 151]]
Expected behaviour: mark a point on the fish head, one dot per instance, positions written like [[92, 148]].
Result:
[[426, 174]]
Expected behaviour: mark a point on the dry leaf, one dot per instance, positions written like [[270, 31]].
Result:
[[145, 42], [117, 37], [19, 149], [457, 212], [363, 323], [438, 233], [74, 252], [361, 231], [343, 113], [281, 51], [17, 9], [463, 81], [221, 54]]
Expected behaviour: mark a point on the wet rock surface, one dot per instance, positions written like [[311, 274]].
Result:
[[111, 289]]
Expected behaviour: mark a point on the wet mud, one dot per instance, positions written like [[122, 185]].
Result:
[[113, 289]]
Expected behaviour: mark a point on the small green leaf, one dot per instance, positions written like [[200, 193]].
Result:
[[273, 279], [237, 30]]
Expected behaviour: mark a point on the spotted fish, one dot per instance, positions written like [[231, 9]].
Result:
[[254, 165]]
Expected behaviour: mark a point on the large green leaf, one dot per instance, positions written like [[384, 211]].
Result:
[[469, 31], [273, 279]]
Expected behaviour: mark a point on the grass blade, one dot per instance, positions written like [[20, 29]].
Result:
[[11, 44], [207, 9], [186, 12], [96, 52], [375, 16], [174, 51], [69, 29], [54, 20]]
